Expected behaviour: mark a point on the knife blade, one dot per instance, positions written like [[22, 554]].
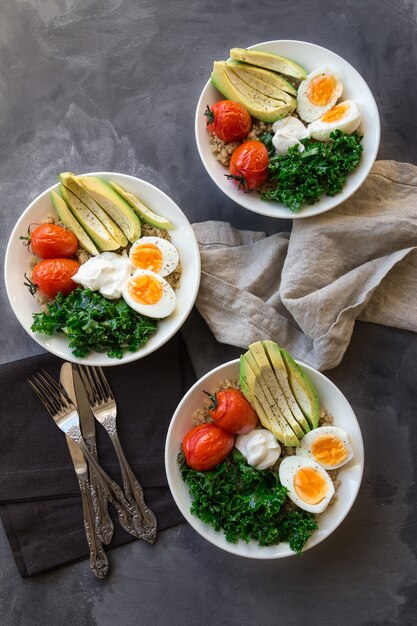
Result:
[[87, 419], [104, 524], [78, 460]]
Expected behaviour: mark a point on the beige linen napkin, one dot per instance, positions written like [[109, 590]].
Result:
[[306, 289]]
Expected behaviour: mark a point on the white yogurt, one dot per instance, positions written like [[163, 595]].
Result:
[[288, 132], [259, 447], [107, 273]]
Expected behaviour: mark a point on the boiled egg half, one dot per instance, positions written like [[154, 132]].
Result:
[[344, 116], [155, 254], [149, 294], [309, 485], [317, 93], [328, 445]]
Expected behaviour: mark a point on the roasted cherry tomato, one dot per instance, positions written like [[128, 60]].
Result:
[[50, 241], [228, 120], [206, 445], [54, 275], [230, 410], [249, 165]]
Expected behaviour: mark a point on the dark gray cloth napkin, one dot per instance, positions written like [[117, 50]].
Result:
[[40, 505]]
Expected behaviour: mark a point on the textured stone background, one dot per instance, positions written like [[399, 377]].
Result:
[[112, 85]]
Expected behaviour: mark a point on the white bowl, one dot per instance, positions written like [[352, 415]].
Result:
[[18, 258], [311, 57], [350, 474]]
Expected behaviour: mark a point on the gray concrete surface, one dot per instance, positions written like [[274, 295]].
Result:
[[113, 85]]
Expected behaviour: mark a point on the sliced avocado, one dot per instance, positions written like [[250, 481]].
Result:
[[303, 390], [247, 383], [251, 92], [69, 181], [267, 89], [273, 353], [258, 105], [258, 353], [71, 223], [118, 209], [145, 214], [94, 228], [267, 76], [263, 417], [251, 375], [269, 61]]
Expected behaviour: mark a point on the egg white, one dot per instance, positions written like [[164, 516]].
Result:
[[170, 256], [164, 307], [320, 129], [305, 108], [304, 449], [287, 471]]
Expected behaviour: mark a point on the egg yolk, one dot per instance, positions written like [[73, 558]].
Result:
[[147, 256], [145, 289], [329, 450], [310, 485], [336, 113], [320, 89]]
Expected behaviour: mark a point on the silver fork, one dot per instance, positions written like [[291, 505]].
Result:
[[103, 406], [65, 415]]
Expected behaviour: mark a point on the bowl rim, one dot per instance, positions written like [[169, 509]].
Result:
[[231, 547], [128, 357], [310, 210]]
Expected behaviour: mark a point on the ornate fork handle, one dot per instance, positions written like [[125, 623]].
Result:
[[144, 519], [99, 563], [111, 490], [103, 523]]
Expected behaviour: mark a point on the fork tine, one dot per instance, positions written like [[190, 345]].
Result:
[[88, 382], [42, 395], [104, 383], [96, 385], [48, 391], [54, 390]]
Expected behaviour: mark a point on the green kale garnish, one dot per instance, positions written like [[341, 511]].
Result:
[[297, 528], [266, 139], [299, 178], [91, 322], [246, 503]]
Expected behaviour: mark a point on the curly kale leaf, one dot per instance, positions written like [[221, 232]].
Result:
[[91, 322], [246, 503], [299, 178]]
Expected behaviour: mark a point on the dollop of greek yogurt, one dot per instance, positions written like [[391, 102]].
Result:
[[107, 273], [288, 132], [259, 447]]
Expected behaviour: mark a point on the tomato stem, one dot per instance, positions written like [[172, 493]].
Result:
[[213, 399], [209, 115], [28, 238], [239, 178], [32, 288]]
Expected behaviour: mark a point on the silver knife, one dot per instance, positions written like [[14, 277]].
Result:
[[104, 524], [98, 560]]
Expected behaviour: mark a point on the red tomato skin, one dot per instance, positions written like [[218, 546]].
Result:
[[50, 241], [249, 165], [231, 121], [233, 412], [206, 445], [54, 275]]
